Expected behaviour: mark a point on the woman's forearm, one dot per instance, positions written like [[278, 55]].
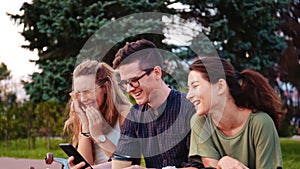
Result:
[[107, 146], [85, 148]]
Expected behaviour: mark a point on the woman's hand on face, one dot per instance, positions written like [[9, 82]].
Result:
[[227, 162], [79, 109], [95, 121]]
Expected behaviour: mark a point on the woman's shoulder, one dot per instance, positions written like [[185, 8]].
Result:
[[260, 116], [260, 119]]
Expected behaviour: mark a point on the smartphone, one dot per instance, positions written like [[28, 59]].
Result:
[[71, 151]]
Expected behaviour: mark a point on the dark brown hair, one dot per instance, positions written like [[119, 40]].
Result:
[[143, 51], [249, 88]]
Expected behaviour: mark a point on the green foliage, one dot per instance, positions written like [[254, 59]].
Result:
[[6, 95], [102, 47], [45, 119], [58, 30], [49, 119], [8, 115], [289, 61], [286, 129], [51, 116], [243, 30], [53, 83], [4, 72]]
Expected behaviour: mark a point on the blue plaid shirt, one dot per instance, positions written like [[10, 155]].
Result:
[[162, 139]]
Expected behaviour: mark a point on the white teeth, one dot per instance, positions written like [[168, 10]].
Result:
[[137, 94], [196, 103]]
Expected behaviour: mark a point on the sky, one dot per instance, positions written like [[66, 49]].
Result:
[[11, 53]]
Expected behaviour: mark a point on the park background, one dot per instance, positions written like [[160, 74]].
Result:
[[261, 35]]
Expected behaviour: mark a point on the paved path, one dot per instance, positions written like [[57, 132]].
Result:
[[21, 163]]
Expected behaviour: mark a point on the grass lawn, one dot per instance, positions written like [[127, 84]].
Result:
[[18, 149], [290, 151]]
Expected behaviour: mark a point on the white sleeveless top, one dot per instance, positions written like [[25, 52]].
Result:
[[113, 136]]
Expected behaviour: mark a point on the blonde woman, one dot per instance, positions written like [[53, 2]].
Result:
[[97, 111]]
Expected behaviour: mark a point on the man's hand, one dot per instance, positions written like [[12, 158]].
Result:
[[227, 162]]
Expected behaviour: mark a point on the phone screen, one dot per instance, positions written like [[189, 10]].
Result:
[[71, 151]]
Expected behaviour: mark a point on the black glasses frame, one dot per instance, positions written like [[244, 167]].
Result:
[[134, 82]]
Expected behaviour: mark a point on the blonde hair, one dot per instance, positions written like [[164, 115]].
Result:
[[115, 103]]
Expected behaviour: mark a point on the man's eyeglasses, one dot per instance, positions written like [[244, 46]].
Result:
[[134, 82]]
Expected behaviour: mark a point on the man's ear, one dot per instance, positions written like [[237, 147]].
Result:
[[222, 85], [158, 72]]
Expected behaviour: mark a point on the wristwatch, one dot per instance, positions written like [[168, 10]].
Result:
[[102, 138], [169, 167]]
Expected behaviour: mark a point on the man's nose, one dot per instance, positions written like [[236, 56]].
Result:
[[129, 88]]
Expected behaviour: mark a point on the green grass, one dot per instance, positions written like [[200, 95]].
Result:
[[18, 149], [290, 153]]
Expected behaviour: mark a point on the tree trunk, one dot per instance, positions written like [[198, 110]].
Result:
[[7, 130], [48, 135], [28, 134]]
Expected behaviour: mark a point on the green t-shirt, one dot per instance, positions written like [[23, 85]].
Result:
[[257, 145]]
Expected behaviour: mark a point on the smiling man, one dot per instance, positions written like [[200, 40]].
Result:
[[158, 126]]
